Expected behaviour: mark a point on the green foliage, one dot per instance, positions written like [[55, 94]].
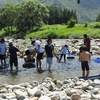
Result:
[[71, 23], [87, 10], [7, 17], [86, 24], [61, 31], [95, 25], [30, 16], [59, 16], [98, 18], [24, 17], [25, 42]]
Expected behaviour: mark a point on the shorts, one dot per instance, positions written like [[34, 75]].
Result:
[[88, 49], [14, 61], [2, 56], [85, 65], [49, 60], [40, 55]]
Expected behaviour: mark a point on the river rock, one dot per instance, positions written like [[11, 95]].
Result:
[[44, 98]]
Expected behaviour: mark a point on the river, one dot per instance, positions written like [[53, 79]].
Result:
[[60, 71]]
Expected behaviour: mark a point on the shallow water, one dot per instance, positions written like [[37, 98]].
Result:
[[61, 71]]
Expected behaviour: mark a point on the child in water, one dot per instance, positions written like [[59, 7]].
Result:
[[63, 52], [13, 56]]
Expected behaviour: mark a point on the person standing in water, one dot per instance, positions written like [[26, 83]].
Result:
[[63, 52], [49, 49], [13, 56], [39, 50], [84, 58], [87, 42], [3, 48]]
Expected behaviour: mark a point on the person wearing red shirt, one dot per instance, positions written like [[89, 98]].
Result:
[[87, 42]]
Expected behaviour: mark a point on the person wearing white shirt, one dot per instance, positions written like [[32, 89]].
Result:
[[2, 51], [40, 51]]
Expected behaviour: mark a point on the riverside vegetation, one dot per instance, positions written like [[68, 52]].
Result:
[[62, 31], [59, 31]]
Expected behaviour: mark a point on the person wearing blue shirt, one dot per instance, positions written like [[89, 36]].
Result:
[[63, 52]]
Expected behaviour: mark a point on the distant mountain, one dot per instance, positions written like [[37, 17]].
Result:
[[87, 10], [3, 2]]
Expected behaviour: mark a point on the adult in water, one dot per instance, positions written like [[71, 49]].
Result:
[[84, 58], [39, 50], [87, 42]]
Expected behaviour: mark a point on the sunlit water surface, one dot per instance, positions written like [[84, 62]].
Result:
[[61, 71]]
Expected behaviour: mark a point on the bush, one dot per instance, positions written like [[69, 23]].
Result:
[[86, 24], [71, 23], [49, 35]]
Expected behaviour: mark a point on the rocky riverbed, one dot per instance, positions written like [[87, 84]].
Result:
[[52, 89], [73, 44], [28, 84]]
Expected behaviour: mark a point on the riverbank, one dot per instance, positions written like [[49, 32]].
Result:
[[28, 84], [73, 44], [52, 89]]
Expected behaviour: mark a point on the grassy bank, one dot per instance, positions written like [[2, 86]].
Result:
[[61, 31]]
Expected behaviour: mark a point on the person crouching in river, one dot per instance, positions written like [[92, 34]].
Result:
[[84, 58]]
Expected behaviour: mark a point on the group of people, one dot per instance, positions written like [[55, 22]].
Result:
[[48, 52], [12, 51]]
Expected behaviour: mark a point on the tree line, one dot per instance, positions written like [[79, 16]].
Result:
[[30, 15]]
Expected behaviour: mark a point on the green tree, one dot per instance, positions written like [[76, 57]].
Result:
[[59, 16], [98, 18], [30, 15], [71, 23], [66, 14], [7, 17]]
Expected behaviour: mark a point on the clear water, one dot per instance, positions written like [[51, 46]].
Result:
[[60, 71]]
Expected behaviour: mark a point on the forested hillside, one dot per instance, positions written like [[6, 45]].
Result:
[[87, 10], [3, 2]]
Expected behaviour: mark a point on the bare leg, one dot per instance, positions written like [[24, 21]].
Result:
[[37, 63], [1, 62], [49, 67], [11, 68], [64, 58], [83, 73], [16, 68], [87, 74], [61, 57]]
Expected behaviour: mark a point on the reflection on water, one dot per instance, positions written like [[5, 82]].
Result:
[[60, 71]]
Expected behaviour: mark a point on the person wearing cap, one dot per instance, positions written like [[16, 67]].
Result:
[[3, 52], [40, 51], [13, 56]]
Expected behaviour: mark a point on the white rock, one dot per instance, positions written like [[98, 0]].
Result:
[[75, 97], [44, 98], [31, 92], [97, 81]]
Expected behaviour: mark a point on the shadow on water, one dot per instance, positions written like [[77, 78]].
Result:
[[60, 71]]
